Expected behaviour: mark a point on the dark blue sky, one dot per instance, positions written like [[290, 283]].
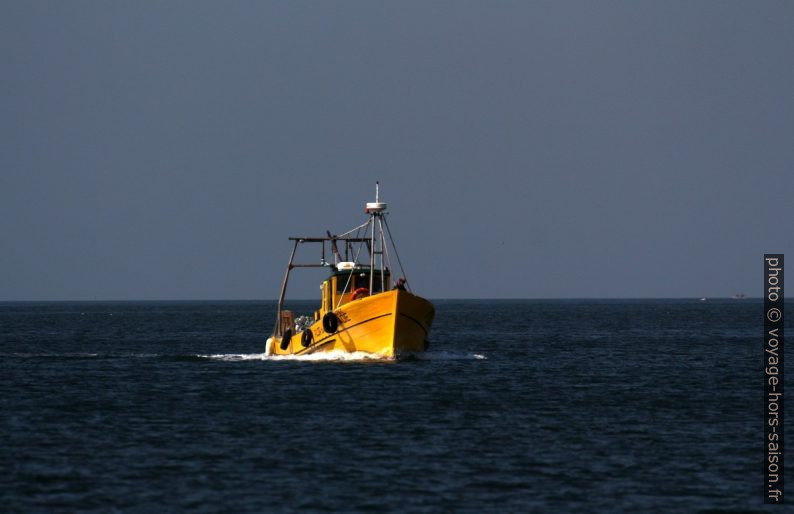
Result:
[[166, 150]]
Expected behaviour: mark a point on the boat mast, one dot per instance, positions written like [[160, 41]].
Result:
[[384, 256], [375, 210]]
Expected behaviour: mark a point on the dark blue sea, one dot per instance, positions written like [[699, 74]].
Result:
[[519, 406]]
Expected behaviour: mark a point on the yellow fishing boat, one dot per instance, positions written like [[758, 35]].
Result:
[[362, 309]]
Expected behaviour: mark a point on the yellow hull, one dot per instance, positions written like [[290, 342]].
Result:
[[387, 324]]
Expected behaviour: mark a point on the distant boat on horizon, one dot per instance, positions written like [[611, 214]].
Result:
[[739, 296]]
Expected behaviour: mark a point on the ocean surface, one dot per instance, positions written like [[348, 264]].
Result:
[[519, 406]]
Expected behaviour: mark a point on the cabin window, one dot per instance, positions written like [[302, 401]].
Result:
[[341, 282], [362, 280]]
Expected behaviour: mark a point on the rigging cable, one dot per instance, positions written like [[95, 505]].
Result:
[[356, 228], [384, 251], [396, 253], [355, 260]]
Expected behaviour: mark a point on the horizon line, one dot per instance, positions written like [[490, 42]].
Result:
[[174, 300]]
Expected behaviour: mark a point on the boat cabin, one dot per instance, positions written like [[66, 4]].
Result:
[[343, 284]]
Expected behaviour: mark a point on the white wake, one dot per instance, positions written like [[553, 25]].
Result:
[[334, 355], [341, 355]]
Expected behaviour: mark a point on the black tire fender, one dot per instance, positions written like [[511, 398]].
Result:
[[330, 322], [285, 339], [306, 338]]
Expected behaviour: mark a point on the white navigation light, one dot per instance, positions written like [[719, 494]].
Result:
[[345, 265]]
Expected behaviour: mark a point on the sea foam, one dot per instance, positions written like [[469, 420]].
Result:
[[341, 355]]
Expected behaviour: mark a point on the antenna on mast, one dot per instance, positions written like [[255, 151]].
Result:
[[376, 207]]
